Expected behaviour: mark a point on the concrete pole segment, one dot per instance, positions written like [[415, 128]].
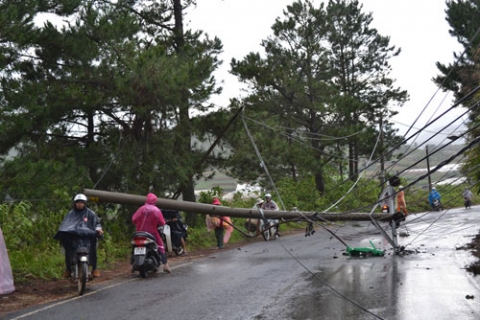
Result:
[[202, 208]]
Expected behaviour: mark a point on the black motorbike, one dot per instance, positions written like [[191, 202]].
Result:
[[173, 232], [467, 203], [437, 205], [79, 244], [145, 257]]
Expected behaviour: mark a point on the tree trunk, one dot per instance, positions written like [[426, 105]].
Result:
[[351, 165], [320, 182], [184, 118]]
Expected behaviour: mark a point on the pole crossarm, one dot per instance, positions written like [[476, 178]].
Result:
[[202, 208]]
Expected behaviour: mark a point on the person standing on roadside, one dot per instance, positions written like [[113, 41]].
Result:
[[6, 276], [216, 223], [252, 225]]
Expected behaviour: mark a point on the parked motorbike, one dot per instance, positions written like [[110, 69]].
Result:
[[437, 205], [173, 232], [145, 258], [467, 203]]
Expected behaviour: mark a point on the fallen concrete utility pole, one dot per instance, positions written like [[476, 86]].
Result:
[[201, 208]]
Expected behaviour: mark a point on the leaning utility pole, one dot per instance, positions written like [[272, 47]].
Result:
[[201, 208], [428, 171]]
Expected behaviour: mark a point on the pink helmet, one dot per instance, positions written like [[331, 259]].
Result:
[[216, 202]]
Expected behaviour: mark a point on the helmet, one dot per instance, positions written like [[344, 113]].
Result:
[[400, 187], [80, 197], [259, 201], [433, 188], [216, 202], [268, 195]]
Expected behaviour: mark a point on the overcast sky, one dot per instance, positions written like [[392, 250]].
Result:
[[418, 27]]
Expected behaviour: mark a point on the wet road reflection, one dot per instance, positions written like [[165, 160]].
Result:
[[428, 282]]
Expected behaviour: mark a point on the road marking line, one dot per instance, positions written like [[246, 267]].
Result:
[[87, 294]]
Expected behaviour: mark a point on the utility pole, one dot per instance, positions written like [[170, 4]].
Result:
[[382, 159], [428, 170], [202, 208]]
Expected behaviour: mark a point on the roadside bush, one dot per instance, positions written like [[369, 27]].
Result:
[[29, 239]]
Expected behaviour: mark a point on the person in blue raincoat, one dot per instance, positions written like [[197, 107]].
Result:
[[433, 195]]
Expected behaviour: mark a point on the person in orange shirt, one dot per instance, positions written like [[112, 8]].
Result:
[[401, 204]]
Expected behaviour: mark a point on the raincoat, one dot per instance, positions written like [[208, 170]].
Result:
[[228, 229], [270, 205], [84, 224], [223, 224], [80, 222], [433, 195], [148, 217], [6, 277], [467, 194], [401, 204]]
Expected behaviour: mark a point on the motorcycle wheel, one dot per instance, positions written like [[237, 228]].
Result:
[[179, 251], [265, 232], [82, 277], [143, 271], [273, 232]]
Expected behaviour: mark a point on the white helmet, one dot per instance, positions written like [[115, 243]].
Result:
[[268, 195], [80, 197]]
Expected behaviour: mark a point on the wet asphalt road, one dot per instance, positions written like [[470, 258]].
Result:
[[298, 277]]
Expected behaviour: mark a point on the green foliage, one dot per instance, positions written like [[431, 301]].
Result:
[[322, 82], [461, 76], [36, 263], [102, 100], [209, 195], [29, 239]]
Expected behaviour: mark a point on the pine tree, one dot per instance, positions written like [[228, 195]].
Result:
[[324, 75], [462, 76]]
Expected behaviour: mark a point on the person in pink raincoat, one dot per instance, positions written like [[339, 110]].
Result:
[[147, 218], [6, 277]]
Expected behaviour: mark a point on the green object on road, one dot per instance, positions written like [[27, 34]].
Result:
[[363, 251]]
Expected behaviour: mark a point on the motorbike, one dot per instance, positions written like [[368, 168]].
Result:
[[437, 205], [173, 232], [467, 203], [145, 257], [268, 227], [79, 242]]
